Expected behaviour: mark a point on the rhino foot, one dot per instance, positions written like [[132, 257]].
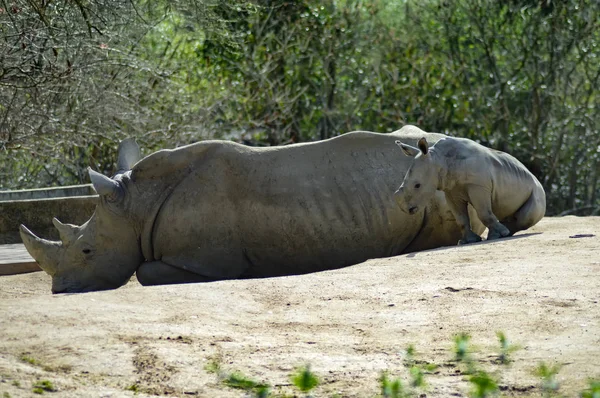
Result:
[[471, 237], [498, 231]]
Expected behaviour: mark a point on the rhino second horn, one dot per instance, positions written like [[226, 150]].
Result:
[[45, 252], [104, 185], [67, 232]]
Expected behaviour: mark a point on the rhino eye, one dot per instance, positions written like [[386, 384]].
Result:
[[417, 186], [86, 251]]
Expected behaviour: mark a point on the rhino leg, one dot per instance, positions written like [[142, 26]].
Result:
[[481, 201], [459, 208], [159, 273], [530, 213]]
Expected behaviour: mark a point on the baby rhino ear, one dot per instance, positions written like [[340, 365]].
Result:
[[407, 149], [423, 146]]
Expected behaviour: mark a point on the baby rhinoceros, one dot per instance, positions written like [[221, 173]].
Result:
[[505, 195]]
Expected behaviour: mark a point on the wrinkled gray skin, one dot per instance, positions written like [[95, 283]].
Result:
[[219, 210], [505, 195]]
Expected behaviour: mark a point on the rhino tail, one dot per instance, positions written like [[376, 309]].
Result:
[[129, 154]]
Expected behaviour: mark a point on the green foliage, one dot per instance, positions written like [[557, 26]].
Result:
[[411, 352], [519, 76], [391, 388], [134, 387], [547, 374], [505, 348], [304, 379], [483, 385], [42, 386], [417, 377], [213, 366], [461, 347], [239, 381], [417, 371], [29, 360], [593, 391]]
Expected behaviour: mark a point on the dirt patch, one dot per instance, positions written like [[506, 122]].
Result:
[[154, 373], [539, 288]]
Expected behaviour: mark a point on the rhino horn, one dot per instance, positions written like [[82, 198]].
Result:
[[105, 186], [67, 232], [45, 252], [129, 154]]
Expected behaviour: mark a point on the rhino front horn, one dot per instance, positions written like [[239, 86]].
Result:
[[45, 252]]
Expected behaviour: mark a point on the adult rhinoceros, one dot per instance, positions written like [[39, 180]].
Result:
[[219, 210]]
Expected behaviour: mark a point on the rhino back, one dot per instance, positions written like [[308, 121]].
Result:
[[509, 181], [513, 185], [302, 208]]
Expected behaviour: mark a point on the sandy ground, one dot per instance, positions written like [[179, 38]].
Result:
[[541, 288]]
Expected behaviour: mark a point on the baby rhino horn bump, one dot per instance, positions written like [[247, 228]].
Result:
[[104, 185], [67, 232], [45, 252]]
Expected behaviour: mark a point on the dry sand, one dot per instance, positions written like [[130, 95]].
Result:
[[541, 288]]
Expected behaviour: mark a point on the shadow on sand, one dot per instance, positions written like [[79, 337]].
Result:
[[483, 242]]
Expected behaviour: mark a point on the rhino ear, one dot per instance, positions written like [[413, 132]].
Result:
[[129, 154], [407, 149], [423, 146], [105, 186], [67, 232]]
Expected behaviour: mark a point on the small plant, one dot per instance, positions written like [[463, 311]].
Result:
[[262, 392], [411, 352], [417, 369], [213, 366], [241, 382], [134, 387], [304, 379], [391, 388], [29, 360], [417, 377], [483, 385], [461, 347], [16, 383], [43, 385], [462, 352], [593, 391], [6, 395], [548, 374], [505, 349], [236, 379]]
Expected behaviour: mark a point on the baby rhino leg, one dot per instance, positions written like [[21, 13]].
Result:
[[481, 200], [159, 273], [461, 214]]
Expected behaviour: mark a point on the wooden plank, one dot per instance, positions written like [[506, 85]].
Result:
[[14, 259]]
